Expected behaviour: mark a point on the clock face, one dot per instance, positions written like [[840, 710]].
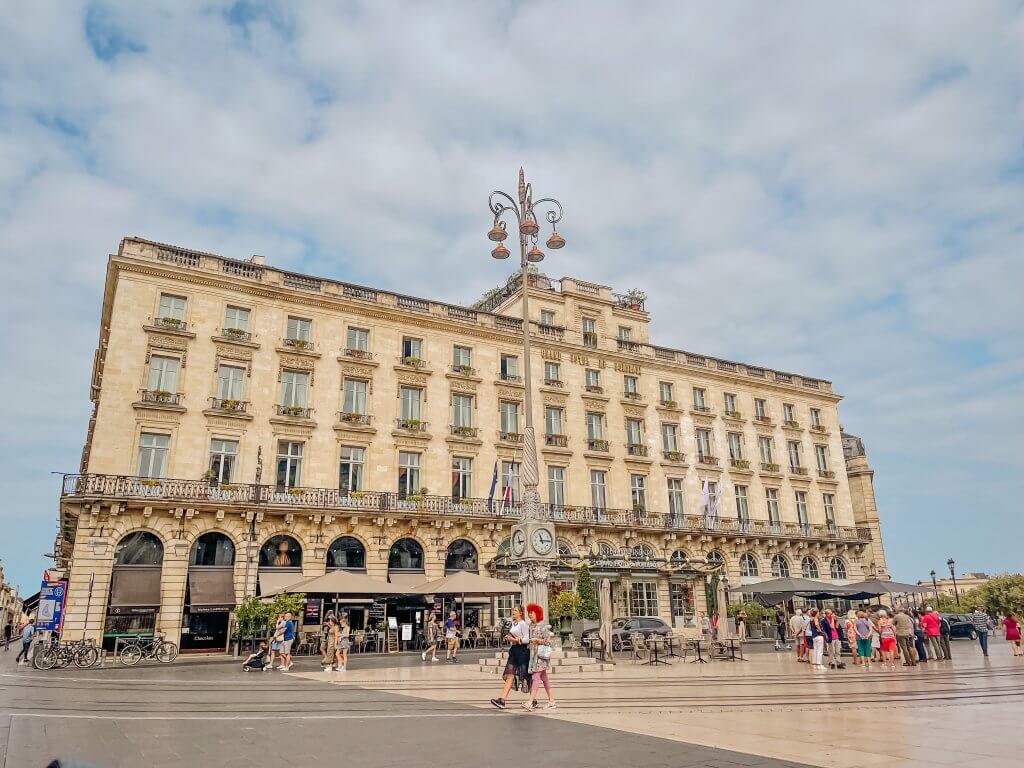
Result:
[[518, 543], [542, 541]]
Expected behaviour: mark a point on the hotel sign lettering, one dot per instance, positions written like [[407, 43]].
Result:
[[599, 362]]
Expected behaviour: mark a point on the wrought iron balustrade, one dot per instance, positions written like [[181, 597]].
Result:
[[229, 405], [160, 397]]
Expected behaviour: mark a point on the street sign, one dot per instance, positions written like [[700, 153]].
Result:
[[50, 613]]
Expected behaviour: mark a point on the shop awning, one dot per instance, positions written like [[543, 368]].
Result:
[[466, 583], [135, 587], [211, 588], [343, 583], [277, 580]]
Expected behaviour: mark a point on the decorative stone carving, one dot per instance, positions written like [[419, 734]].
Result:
[[633, 411], [506, 393], [230, 352], [298, 362], [557, 400], [533, 571], [459, 385], [361, 371], [412, 379]]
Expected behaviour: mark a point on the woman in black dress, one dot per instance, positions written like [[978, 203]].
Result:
[[517, 670]]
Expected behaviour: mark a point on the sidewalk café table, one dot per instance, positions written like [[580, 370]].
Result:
[[654, 641], [734, 644], [696, 646], [670, 642]]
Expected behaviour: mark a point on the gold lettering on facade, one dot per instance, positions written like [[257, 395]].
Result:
[[630, 368], [550, 354], [580, 359]]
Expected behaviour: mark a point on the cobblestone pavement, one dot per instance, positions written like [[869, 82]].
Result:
[[210, 713]]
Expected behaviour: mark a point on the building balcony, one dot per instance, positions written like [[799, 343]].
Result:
[[625, 345], [554, 383], [677, 457], [170, 324], [411, 425], [590, 339], [668, 403], [229, 406], [704, 409], [791, 424], [95, 487], [460, 431], [595, 389], [556, 441], [354, 419], [763, 420], [636, 449], [236, 334], [735, 415], [299, 345], [826, 474], [556, 332], [357, 354], [597, 444], [708, 460], [634, 396], [294, 411], [802, 471], [160, 397], [510, 437], [739, 463], [768, 466], [464, 370], [511, 378], [411, 361], [819, 429]]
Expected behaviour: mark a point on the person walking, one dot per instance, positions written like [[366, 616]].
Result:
[[863, 631], [540, 655], [714, 625], [517, 669], [8, 631], [1012, 627], [705, 625], [28, 633], [344, 644], [452, 630], [741, 625], [286, 643], [919, 641], [945, 631], [931, 624], [886, 638], [850, 629], [432, 632], [330, 659], [981, 622], [904, 626], [780, 629], [326, 657], [796, 631], [276, 640], [817, 635]]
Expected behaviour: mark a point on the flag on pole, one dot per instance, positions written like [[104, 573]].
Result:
[[506, 497], [715, 499], [494, 485], [705, 499]]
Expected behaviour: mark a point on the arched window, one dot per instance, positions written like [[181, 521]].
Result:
[[566, 549], [809, 568], [212, 548], [406, 554], [780, 567], [461, 556], [347, 552], [606, 550], [281, 552], [837, 568], [642, 551], [679, 558], [748, 565], [139, 548], [715, 558]]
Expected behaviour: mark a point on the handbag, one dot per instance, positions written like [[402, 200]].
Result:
[[544, 652]]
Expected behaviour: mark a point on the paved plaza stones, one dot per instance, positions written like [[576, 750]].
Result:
[[392, 711]]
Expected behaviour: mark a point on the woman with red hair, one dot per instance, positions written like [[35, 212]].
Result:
[[540, 656], [517, 669]]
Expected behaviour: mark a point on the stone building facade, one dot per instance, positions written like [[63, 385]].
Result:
[[252, 426]]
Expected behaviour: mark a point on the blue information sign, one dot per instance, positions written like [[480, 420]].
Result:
[[50, 613]]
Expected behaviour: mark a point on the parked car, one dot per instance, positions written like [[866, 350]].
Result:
[[960, 626], [622, 628]]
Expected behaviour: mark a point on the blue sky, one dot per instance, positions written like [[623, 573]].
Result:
[[830, 189]]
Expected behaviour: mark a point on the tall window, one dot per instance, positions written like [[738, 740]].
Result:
[[765, 446], [821, 456], [230, 382], [412, 348], [172, 307], [289, 464], [638, 491], [409, 403], [358, 338], [509, 417], [629, 385], [547, 317], [509, 367], [794, 454], [815, 417], [787, 412], [598, 492], [589, 331], [510, 480], [223, 456], [553, 420], [730, 402], [163, 374], [462, 478], [742, 508], [699, 399], [703, 444], [643, 598], [354, 400], [462, 410], [801, 508], [736, 446], [665, 391], [714, 496], [808, 567], [592, 377], [829, 501], [294, 388], [350, 470], [552, 373], [837, 568], [675, 496], [760, 409], [408, 473], [595, 426], [299, 329], [780, 567], [634, 432], [153, 454], [462, 357], [625, 333], [771, 496], [236, 318], [748, 565], [670, 437], [556, 486]]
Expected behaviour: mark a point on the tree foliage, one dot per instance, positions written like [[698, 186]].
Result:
[[1001, 595], [588, 597], [254, 617], [566, 605], [755, 611]]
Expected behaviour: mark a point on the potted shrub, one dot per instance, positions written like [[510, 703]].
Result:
[[171, 322], [236, 333], [412, 361], [635, 298]]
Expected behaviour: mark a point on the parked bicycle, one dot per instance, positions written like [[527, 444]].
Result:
[[141, 648], [81, 653]]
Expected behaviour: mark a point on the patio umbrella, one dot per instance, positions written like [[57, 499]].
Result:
[[465, 583], [342, 583], [775, 591], [877, 587], [605, 606]]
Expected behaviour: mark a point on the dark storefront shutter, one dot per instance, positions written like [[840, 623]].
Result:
[[135, 587]]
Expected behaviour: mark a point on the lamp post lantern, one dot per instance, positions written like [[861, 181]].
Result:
[[533, 547], [952, 574], [935, 588]]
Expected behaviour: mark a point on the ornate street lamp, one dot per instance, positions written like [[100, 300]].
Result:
[[935, 588], [952, 573], [533, 547]]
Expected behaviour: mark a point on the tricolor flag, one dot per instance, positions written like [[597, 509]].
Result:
[[494, 485], [705, 498], [506, 497]]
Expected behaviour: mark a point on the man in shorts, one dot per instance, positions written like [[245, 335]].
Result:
[[451, 636], [796, 630], [286, 643]]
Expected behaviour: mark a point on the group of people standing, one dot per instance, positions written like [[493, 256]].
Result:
[[529, 658]]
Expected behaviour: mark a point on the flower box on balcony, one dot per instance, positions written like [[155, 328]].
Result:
[[709, 460], [669, 404], [464, 431], [463, 502], [673, 455], [235, 333], [358, 354], [465, 370], [412, 425], [818, 428], [766, 420], [595, 389], [552, 382], [767, 466], [510, 437], [560, 441], [293, 410], [740, 463], [733, 415], [798, 470], [790, 424], [828, 474], [412, 361], [631, 395], [636, 449], [171, 322], [150, 483], [597, 444], [298, 343]]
